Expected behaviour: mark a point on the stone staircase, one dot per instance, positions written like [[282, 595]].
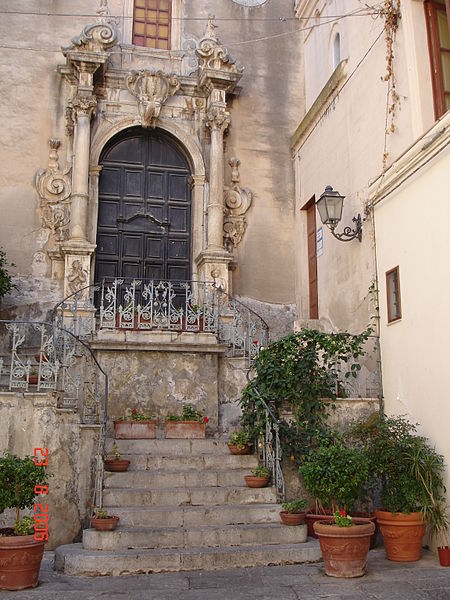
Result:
[[183, 505]]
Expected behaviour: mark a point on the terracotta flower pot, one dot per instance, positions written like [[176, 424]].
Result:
[[253, 481], [185, 430], [345, 549], [117, 465], [20, 561], [444, 556], [402, 535], [288, 518], [239, 450], [107, 524], [135, 430]]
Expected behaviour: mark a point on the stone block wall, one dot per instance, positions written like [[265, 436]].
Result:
[[30, 421]]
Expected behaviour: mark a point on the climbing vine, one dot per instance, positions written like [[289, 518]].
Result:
[[391, 14]]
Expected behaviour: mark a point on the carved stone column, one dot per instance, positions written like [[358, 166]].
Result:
[[217, 120], [83, 107], [217, 75]]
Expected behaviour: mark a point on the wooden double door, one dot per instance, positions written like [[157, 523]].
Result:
[[144, 214]]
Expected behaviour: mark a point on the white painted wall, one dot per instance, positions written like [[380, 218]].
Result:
[[412, 233]]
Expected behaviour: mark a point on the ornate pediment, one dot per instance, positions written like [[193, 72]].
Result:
[[151, 88], [98, 36], [212, 54]]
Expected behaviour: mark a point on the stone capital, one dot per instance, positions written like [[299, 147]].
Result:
[[217, 119], [84, 106]]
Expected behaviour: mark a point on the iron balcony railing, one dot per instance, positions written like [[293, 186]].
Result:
[[154, 305], [37, 356]]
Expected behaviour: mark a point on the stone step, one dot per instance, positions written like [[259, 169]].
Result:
[[175, 447], [72, 559], [162, 478], [195, 516], [124, 538], [205, 496], [148, 462]]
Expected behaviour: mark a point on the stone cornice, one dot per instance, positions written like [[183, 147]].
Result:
[[323, 101], [414, 158]]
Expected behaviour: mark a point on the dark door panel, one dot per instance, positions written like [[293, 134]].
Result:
[[144, 221]]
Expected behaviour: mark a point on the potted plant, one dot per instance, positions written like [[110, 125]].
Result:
[[259, 477], [102, 521], [190, 424], [335, 474], [238, 442], [344, 543], [116, 464], [411, 474], [293, 512], [135, 425], [21, 546]]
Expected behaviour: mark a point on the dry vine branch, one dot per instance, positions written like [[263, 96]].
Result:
[[391, 14]]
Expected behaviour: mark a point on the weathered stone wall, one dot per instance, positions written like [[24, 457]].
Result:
[[159, 379], [30, 421]]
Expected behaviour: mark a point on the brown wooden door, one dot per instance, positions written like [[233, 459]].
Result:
[[312, 261], [144, 216]]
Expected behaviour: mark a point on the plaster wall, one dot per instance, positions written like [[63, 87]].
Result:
[[33, 99], [344, 147], [415, 353], [30, 421]]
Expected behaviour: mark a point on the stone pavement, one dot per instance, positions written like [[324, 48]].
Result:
[[422, 580]]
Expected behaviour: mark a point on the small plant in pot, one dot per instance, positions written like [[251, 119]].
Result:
[[238, 442], [259, 477], [335, 474], [191, 424], [135, 425], [293, 512], [22, 546], [102, 521], [345, 543], [116, 463], [411, 474]]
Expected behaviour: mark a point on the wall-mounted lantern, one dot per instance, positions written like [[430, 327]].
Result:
[[330, 206]]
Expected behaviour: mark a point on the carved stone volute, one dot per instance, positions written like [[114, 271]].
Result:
[[237, 202], [54, 188]]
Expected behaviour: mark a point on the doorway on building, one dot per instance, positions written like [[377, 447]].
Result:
[[144, 214]]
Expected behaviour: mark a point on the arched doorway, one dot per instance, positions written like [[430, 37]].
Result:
[[144, 215]]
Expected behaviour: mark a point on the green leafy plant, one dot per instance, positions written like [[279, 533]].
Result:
[[238, 438], [260, 471], [190, 413], [342, 519], [410, 471], [116, 452], [6, 283], [335, 473], [295, 506], [101, 513], [18, 480], [132, 414], [297, 373], [24, 527]]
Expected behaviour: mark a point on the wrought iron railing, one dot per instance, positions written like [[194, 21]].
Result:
[[269, 447], [179, 306], [37, 356]]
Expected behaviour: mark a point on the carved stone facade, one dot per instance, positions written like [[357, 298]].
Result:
[[99, 96]]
